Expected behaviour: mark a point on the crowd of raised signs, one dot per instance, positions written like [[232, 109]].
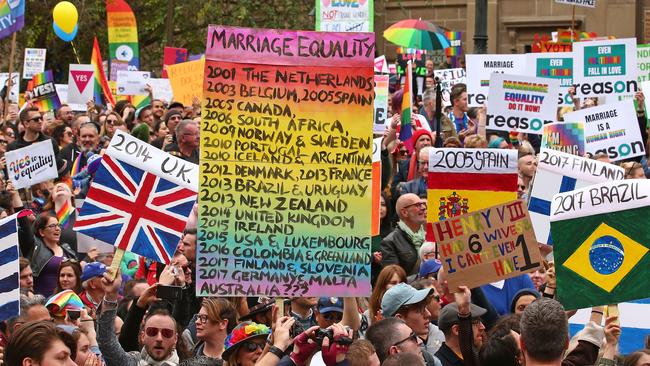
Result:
[[71, 312]]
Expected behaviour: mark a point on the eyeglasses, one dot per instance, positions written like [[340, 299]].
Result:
[[36, 119], [202, 318], [419, 205], [412, 337], [252, 346], [420, 307], [153, 332], [333, 316], [423, 162], [52, 226]]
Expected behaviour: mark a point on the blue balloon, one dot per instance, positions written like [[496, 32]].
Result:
[[66, 37]]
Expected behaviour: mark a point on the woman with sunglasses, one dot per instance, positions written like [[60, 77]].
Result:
[[245, 343], [62, 135], [110, 124], [69, 276], [47, 253], [216, 319]]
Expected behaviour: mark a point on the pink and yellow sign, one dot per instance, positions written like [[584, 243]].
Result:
[[286, 164]]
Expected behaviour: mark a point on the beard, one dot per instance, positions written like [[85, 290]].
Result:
[[153, 353]]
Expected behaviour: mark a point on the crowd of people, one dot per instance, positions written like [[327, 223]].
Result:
[[75, 310]]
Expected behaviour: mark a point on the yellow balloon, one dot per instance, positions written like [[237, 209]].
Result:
[[65, 16]]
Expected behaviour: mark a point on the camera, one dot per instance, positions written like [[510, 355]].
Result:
[[329, 333]]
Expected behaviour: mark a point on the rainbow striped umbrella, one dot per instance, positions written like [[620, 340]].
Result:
[[416, 33]]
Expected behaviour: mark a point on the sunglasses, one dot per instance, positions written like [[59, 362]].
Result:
[[404, 152], [111, 121], [153, 332], [36, 119], [333, 316], [252, 346], [412, 337], [68, 133]]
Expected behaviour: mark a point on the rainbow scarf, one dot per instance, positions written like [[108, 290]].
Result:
[[43, 91], [406, 131], [76, 165], [102, 93], [64, 214], [59, 303]]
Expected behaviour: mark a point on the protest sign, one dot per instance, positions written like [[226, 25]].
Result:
[[173, 56], [132, 82], [13, 17], [584, 3], [488, 245], [605, 67], [521, 103], [381, 65], [32, 164], [479, 69], [376, 185], [568, 137], [140, 199], [553, 65], [467, 180], [43, 92], [447, 79], [643, 62], [381, 104], [62, 92], [601, 246], [34, 62], [162, 89], [286, 164], [9, 269], [80, 84], [344, 16], [559, 172], [635, 324], [186, 80], [611, 128], [14, 93]]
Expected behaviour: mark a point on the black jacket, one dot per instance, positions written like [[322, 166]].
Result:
[[447, 357], [397, 248]]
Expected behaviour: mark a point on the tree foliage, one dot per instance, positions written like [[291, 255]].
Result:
[[190, 22]]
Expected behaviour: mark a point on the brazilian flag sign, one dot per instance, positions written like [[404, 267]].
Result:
[[603, 240]]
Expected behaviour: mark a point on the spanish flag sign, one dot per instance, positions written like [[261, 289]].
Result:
[[460, 181], [601, 243]]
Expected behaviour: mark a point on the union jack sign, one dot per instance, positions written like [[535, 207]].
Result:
[[136, 208]]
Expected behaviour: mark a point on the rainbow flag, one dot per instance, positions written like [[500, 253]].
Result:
[[64, 214], [103, 93], [140, 101], [43, 91], [406, 131], [122, 35], [12, 17], [65, 300], [454, 40], [75, 166]]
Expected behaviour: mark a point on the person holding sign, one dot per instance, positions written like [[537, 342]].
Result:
[[401, 246], [32, 121]]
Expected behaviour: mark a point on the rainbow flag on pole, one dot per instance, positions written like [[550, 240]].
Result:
[[43, 91], [12, 17], [455, 48], [406, 130], [103, 93]]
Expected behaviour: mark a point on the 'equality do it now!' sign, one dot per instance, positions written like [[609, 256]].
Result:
[[521, 103]]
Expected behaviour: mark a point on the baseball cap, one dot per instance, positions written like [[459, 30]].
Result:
[[429, 266], [400, 295], [92, 270], [449, 315], [327, 304]]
